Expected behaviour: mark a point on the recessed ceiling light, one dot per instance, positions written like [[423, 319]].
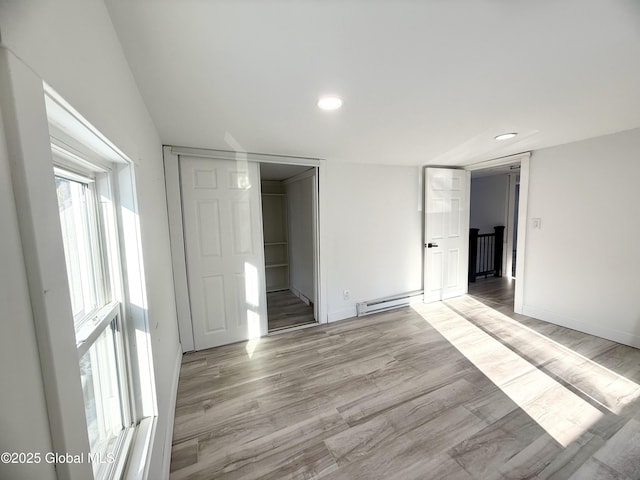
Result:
[[330, 102], [506, 136]]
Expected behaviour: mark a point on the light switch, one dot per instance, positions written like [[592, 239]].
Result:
[[536, 223]]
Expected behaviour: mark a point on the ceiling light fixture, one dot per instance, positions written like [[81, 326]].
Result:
[[505, 136], [330, 102]]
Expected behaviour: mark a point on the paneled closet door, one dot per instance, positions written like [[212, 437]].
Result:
[[223, 243]]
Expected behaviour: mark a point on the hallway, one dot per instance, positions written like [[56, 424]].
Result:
[[494, 292]]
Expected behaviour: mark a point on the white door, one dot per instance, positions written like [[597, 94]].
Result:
[[223, 247], [446, 233]]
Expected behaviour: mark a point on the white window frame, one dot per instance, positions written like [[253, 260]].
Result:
[[30, 108], [82, 154], [90, 325], [102, 277], [108, 282]]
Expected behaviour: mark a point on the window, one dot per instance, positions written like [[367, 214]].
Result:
[[108, 397], [80, 238], [90, 246]]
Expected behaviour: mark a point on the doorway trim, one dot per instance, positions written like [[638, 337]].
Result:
[[510, 215], [171, 156], [316, 237], [524, 159]]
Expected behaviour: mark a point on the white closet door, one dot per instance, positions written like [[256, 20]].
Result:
[[446, 233], [223, 243]]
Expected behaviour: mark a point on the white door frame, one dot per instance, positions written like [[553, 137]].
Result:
[[176, 227], [524, 159], [510, 215], [315, 220]]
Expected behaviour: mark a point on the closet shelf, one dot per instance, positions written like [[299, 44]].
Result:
[[275, 238]]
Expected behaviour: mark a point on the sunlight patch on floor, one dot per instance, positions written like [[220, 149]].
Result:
[[251, 345], [602, 385], [560, 412]]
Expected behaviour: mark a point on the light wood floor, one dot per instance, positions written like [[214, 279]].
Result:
[[452, 390], [285, 310], [496, 292]]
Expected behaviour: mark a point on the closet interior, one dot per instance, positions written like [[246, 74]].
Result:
[[288, 217]]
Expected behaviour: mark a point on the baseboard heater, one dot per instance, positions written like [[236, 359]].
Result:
[[388, 303]]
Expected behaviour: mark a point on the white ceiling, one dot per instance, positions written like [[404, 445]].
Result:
[[423, 82]]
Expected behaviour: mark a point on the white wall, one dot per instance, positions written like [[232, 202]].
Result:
[[489, 202], [373, 233], [300, 220], [581, 268], [72, 46]]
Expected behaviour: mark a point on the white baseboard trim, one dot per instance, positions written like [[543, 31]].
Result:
[[166, 457], [295, 291], [612, 334], [300, 295], [342, 314]]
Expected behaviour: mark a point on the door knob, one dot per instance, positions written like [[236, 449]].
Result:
[[431, 245]]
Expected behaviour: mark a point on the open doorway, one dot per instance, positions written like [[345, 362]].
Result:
[[494, 209], [289, 217]]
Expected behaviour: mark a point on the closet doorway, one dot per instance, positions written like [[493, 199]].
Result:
[[289, 221], [219, 243]]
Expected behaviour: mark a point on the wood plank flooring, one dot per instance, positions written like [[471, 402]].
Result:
[[494, 291], [285, 310], [462, 389]]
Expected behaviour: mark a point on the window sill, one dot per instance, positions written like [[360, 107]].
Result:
[[138, 461]]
